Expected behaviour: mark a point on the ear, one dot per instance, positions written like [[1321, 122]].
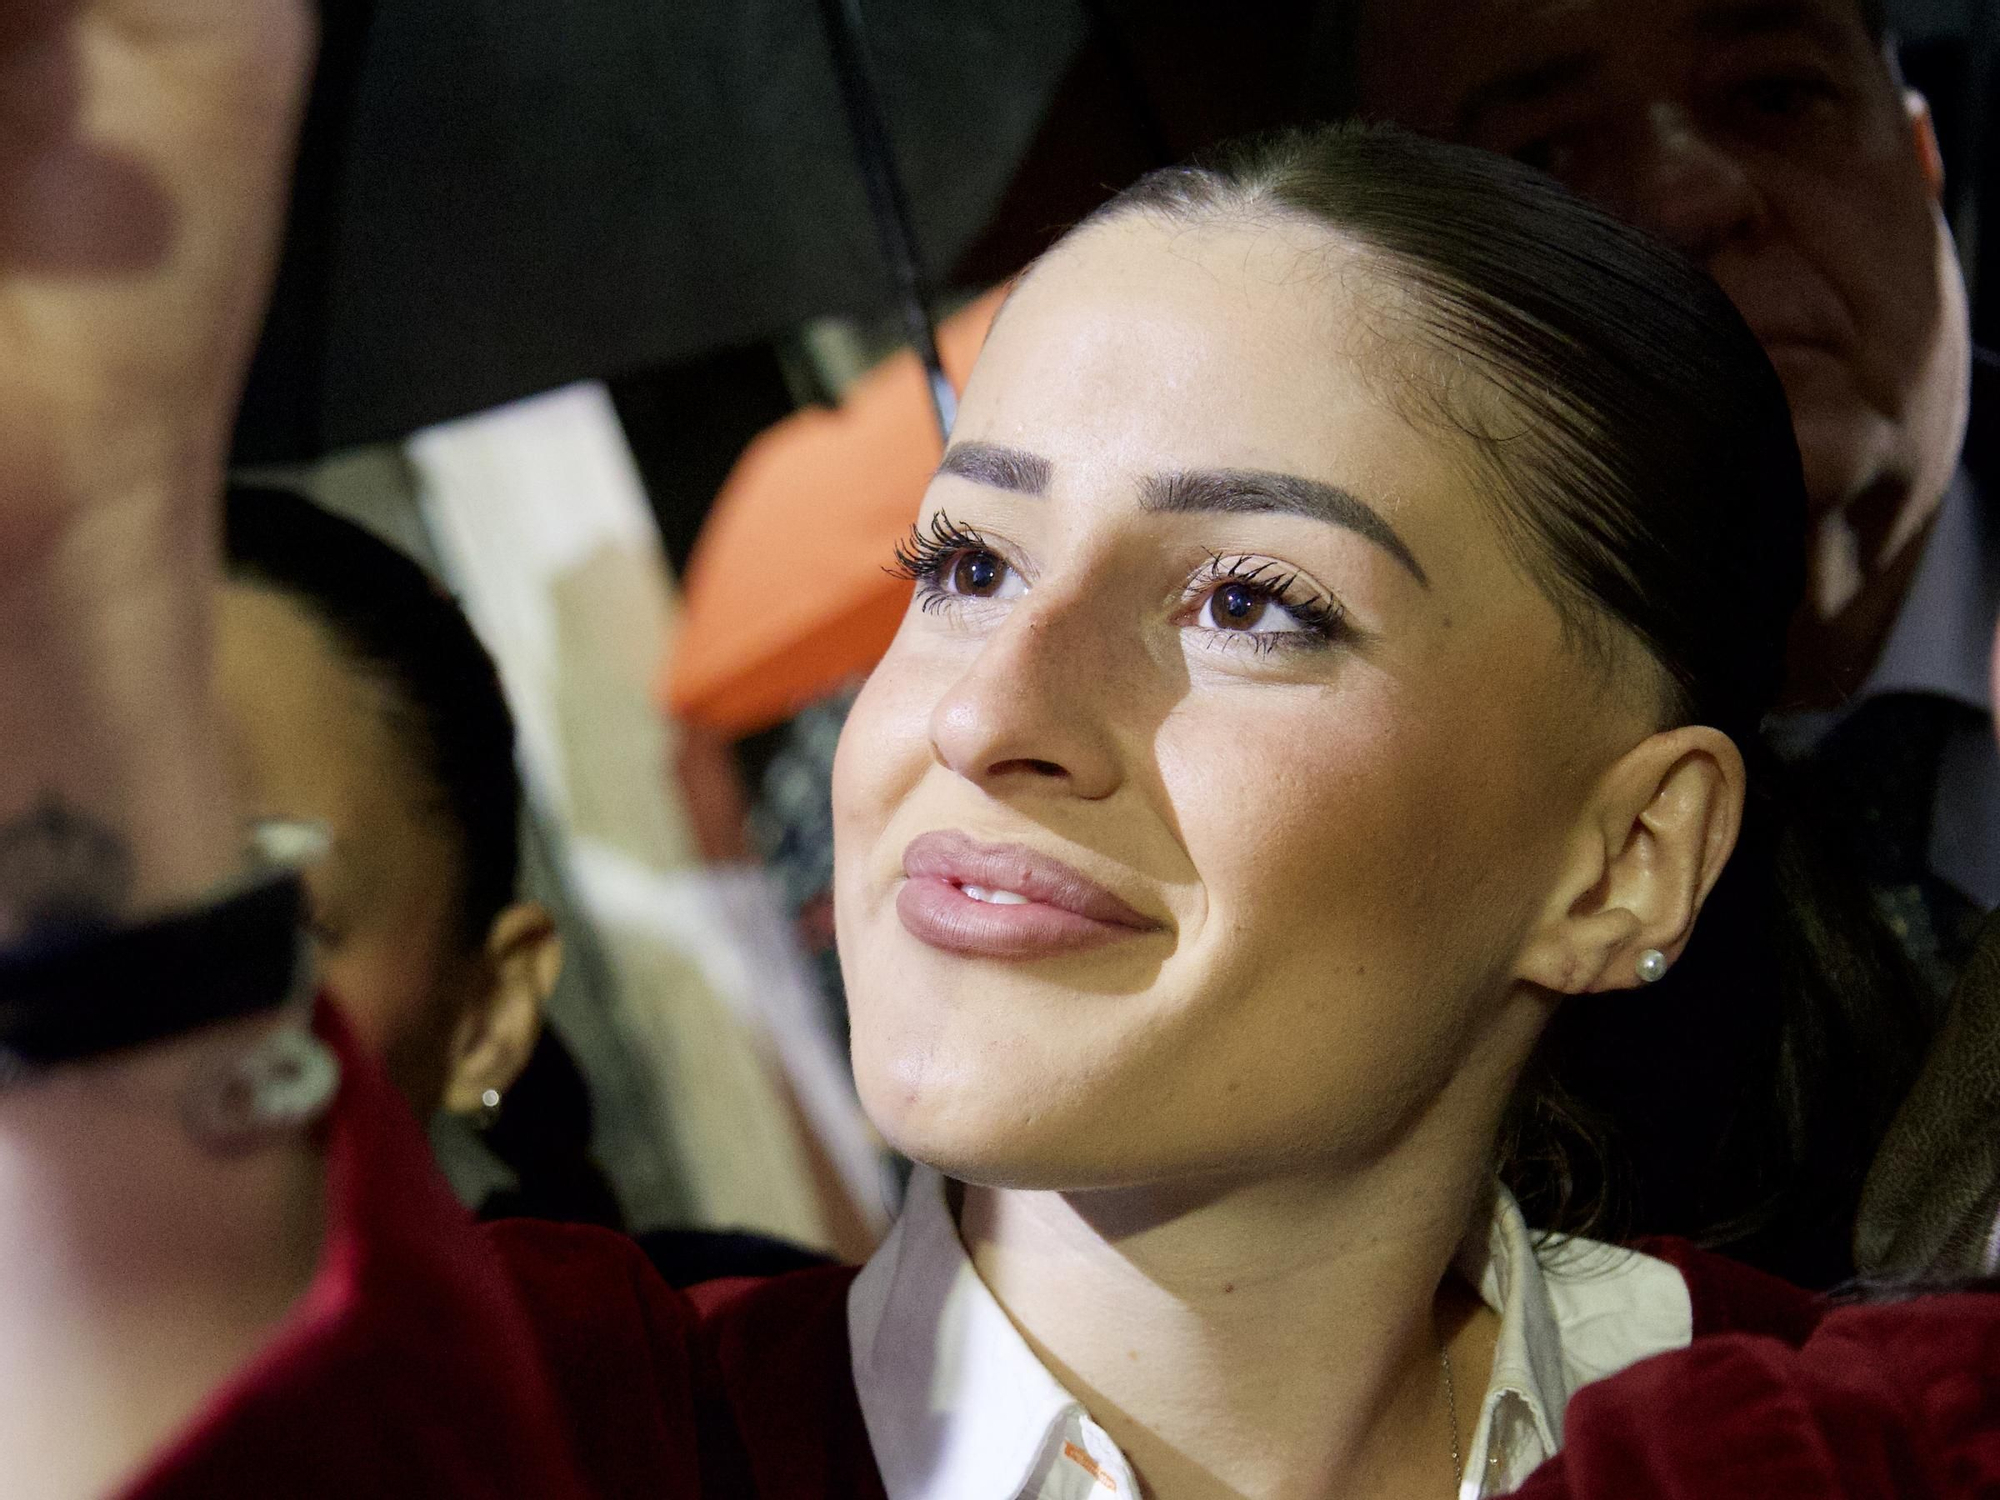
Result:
[[1923, 128], [498, 1031], [1654, 837]]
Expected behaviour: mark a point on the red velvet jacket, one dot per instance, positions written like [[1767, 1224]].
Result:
[[431, 1360]]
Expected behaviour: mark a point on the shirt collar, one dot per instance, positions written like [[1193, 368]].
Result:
[[1942, 638], [957, 1405], [959, 1408], [1942, 643], [1571, 1311]]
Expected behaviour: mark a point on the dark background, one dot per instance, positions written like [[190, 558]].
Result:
[[496, 197]]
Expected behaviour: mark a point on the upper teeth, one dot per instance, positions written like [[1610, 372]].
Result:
[[995, 898]]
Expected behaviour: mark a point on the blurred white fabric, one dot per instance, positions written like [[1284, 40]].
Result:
[[541, 523]]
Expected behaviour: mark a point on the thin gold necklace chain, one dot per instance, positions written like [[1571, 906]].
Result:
[[1451, 1402]]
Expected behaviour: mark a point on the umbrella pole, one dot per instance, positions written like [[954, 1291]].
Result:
[[869, 124]]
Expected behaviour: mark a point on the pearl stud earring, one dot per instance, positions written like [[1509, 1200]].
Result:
[[1652, 965]]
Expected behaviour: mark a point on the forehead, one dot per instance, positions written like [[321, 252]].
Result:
[[1143, 345], [311, 735], [1141, 349], [1417, 60]]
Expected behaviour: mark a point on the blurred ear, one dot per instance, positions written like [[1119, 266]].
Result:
[[497, 1033], [1651, 844], [1930, 156]]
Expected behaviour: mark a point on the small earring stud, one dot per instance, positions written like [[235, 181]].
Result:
[[1652, 966]]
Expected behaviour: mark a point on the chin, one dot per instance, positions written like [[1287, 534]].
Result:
[[935, 1113], [978, 1127]]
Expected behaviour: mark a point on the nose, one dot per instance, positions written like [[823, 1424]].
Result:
[[1689, 188], [1031, 713]]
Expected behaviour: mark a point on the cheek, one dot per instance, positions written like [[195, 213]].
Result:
[[883, 755], [884, 752], [1366, 865], [402, 1008], [383, 995], [1871, 234], [1355, 815]]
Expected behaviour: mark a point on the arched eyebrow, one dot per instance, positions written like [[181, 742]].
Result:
[[999, 468], [1194, 491], [1256, 491]]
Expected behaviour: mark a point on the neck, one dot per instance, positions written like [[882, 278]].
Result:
[[138, 1271], [1273, 1339], [1861, 560]]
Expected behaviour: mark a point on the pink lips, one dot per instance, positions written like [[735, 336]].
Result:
[[1064, 911]]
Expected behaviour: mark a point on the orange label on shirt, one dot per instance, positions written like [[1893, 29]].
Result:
[[1089, 1466]]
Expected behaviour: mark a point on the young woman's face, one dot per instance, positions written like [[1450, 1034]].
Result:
[[1220, 664]]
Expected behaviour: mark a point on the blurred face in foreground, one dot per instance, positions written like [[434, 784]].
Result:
[[1212, 812], [1771, 143]]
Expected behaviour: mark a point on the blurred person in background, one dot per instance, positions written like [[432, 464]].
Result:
[[360, 700], [1931, 1208], [1777, 145]]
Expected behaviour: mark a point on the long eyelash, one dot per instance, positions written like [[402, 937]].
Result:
[[921, 556], [1321, 614]]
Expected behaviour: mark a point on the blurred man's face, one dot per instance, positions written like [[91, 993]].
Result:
[[1770, 142]]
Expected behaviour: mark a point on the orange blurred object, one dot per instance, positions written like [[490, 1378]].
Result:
[[786, 596]]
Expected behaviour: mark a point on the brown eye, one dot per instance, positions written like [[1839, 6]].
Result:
[[1237, 606], [1264, 606], [976, 575]]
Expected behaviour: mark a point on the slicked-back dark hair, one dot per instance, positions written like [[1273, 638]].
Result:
[[398, 626], [1637, 450]]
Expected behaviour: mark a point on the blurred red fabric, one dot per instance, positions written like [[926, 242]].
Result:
[[433, 1360]]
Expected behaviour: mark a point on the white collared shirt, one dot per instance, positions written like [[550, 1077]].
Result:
[[959, 1408]]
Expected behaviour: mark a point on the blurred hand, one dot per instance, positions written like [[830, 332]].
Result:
[[143, 154], [144, 151], [144, 147]]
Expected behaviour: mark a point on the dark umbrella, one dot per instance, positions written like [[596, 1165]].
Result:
[[499, 196], [530, 193]]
